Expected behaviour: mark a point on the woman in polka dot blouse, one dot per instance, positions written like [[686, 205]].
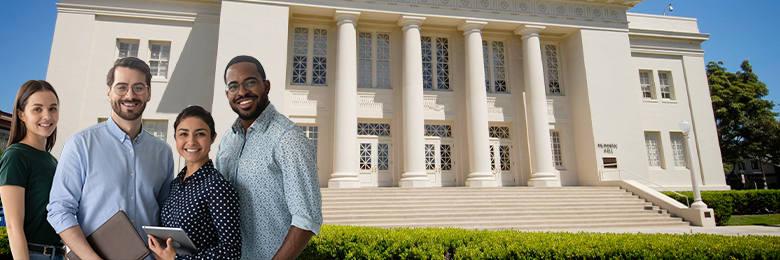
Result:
[[201, 201]]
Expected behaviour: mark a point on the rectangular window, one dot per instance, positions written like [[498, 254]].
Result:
[[552, 70], [438, 130], [376, 129], [312, 132], [665, 80], [126, 48], [373, 60], [557, 149], [755, 165], [310, 56], [495, 66], [436, 63], [653, 146], [158, 58], [499, 132], [647, 87], [679, 149]]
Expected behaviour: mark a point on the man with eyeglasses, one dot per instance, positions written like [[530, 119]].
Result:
[[112, 166], [272, 165]]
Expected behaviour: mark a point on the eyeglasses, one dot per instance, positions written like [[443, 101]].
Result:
[[138, 89], [249, 85]]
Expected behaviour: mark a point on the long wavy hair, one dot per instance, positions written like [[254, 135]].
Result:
[[18, 129]]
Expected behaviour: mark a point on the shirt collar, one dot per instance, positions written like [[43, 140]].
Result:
[[117, 132], [261, 123], [201, 173]]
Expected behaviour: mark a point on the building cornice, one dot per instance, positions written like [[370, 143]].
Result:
[[135, 13], [669, 34], [588, 10]]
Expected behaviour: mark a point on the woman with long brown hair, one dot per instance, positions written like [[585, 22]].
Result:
[[27, 170]]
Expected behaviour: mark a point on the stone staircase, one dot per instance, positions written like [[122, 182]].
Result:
[[521, 208]]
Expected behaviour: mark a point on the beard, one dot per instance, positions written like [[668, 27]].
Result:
[[129, 116], [259, 106]]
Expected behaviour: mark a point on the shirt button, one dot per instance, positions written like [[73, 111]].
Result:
[[132, 198], [131, 151], [133, 221], [132, 174]]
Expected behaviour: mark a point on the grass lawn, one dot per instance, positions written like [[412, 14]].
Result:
[[745, 220]]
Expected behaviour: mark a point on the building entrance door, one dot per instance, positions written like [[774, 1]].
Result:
[[501, 162], [374, 163], [438, 163]]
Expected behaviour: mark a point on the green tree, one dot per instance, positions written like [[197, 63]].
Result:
[[747, 128]]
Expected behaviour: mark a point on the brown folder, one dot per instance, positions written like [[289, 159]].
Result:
[[116, 239]]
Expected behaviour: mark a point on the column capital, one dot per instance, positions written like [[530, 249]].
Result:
[[471, 25], [529, 29], [410, 21], [346, 16]]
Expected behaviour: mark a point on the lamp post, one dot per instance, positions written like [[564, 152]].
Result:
[[669, 7], [697, 202]]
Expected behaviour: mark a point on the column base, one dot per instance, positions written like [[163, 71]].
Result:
[[481, 179], [344, 180], [414, 180], [544, 182], [699, 205]]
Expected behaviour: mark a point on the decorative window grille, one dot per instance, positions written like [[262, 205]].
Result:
[[492, 157], [383, 156], [438, 130], [373, 60], [552, 70], [678, 149], [644, 82], [446, 157], [557, 149], [365, 156], [311, 132], [126, 48], [436, 63], [506, 162], [653, 149], [376, 129], [158, 59], [499, 132], [310, 56], [430, 157], [495, 71], [664, 79]]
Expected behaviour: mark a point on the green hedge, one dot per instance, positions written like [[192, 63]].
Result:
[[5, 247], [345, 242], [736, 202]]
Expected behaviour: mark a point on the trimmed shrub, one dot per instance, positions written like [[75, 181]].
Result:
[[5, 247], [736, 202], [348, 242]]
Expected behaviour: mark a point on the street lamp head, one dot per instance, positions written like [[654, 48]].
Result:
[[671, 8], [685, 126]]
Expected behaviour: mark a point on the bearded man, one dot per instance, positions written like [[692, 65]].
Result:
[[111, 166]]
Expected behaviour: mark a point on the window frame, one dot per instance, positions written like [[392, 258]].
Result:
[[676, 150], [650, 85], [374, 53], [659, 150], [307, 132], [562, 165], [129, 41], [670, 87], [162, 45], [310, 56], [546, 69], [435, 63], [489, 62]]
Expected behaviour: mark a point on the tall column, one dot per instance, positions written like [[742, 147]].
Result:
[[543, 172], [480, 174], [345, 114], [414, 122]]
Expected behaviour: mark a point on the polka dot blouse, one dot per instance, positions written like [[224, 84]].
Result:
[[205, 205]]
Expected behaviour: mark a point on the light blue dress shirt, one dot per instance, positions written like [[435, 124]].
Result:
[[274, 170], [101, 172]]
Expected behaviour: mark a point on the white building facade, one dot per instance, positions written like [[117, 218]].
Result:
[[419, 93]]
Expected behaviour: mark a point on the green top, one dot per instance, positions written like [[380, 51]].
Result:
[[33, 170]]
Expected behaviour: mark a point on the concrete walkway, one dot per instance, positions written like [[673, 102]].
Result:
[[728, 230]]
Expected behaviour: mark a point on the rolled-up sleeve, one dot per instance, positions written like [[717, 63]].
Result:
[[67, 186], [298, 161]]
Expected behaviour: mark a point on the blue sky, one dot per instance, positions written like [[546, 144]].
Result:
[[739, 30]]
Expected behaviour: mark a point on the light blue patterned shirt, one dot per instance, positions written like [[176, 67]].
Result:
[[274, 170], [101, 172]]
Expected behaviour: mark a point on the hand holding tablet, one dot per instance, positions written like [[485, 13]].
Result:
[[181, 242]]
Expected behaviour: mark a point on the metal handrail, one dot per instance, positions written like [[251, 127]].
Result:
[[601, 177]]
